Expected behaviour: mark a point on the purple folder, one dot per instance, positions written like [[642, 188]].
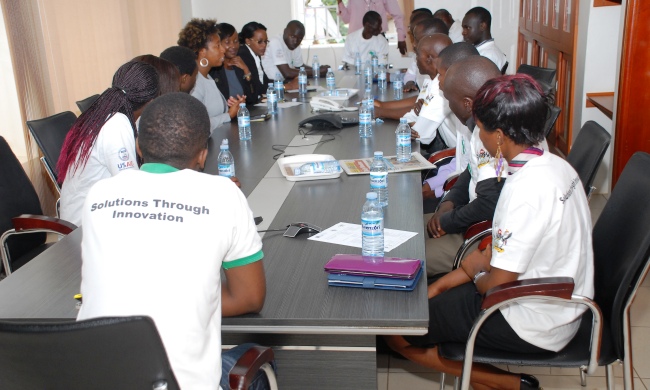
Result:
[[385, 267]]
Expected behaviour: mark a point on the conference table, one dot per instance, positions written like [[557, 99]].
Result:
[[323, 337]]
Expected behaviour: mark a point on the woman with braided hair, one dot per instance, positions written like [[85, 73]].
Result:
[[101, 143], [202, 37]]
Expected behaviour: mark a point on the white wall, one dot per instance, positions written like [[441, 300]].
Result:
[[12, 128], [599, 37], [505, 20]]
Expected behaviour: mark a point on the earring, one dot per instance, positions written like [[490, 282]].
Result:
[[203, 64], [498, 163]]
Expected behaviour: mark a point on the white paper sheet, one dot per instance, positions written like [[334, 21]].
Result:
[[281, 104], [350, 234]]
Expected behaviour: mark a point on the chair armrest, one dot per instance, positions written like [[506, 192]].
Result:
[[28, 222], [451, 180], [442, 154], [242, 373], [478, 228], [560, 287]]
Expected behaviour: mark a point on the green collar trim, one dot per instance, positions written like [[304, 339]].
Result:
[[157, 168]]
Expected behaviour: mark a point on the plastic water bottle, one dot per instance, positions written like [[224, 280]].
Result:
[[330, 166], [372, 227], [302, 81], [365, 121], [331, 80], [279, 87], [403, 141], [244, 122], [375, 64], [271, 100], [225, 161], [315, 65], [367, 75], [370, 101], [357, 63], [398, 89], [379, 178], [381, 77]]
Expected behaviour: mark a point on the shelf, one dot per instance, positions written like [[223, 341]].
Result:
[[604, 101]]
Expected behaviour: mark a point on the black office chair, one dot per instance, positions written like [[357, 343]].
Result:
[[587, 153], [50, 134], [621, 241], [553, 114], [545, 75], [17, 196], [86, 103], [101, 353]]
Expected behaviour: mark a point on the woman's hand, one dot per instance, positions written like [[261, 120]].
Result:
[[238, 62], [233, 105]]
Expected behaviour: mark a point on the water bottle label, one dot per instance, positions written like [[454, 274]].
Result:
[[271, 97], [227, 170], [244, 121], [364, 118], [375, 61], [372, 227], [277, 84], [404, 140], [378, 180], [371, 103], [331, 82], [302, 79]]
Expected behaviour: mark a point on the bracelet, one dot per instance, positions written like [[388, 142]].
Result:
[[479, 275], [248, 76]]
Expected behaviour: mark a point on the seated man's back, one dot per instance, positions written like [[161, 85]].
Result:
[[155, 241]]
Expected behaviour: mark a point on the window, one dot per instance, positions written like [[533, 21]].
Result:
[[322, 24]]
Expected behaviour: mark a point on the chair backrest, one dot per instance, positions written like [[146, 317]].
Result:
[[17, 196], [553, 114], [621, 239], [545, 75], [587, 152], [101, 353], [86, 103], [50, 133]]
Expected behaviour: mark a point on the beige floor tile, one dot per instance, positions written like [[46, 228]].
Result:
[[596, 205], [640, 350], [640, 313], [382, 381], [560, 382], [405, 366], [417, 381], [646, 282], [600, 371], [383, 360]]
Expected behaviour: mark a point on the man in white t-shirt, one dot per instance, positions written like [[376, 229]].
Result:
[[284, 56], [476, 30], [156, 239], [454, 26], [367, 41]]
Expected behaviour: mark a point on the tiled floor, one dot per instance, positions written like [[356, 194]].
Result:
[[399, 374]]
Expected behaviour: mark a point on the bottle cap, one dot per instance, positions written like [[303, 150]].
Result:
[[302, 68], [242, 104], [371, 195], [329, 69], [402, 120], [225, 141], [379, 153]]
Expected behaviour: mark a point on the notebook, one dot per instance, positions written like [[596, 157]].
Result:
[[342, 280], [384, 267]]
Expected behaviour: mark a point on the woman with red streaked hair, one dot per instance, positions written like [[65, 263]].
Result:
[[541, 228], [101, 143]]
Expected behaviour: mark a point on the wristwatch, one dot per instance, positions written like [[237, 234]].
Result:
[[478, 275], [247, 77]]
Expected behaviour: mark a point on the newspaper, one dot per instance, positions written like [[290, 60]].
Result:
[[361, 166]]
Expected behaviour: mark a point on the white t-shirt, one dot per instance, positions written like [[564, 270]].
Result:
[[434, 113], [413, 73], [456, 32], [490, 50], [113, 152], [277, 53], [356, 43], [154, 244], [542, 228]]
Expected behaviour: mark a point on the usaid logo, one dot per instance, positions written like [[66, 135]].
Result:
[[123, 154]]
